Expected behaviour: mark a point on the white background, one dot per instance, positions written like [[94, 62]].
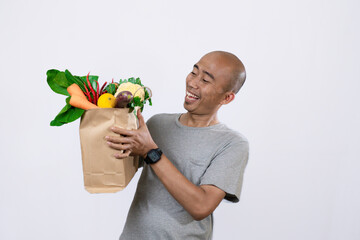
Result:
[[299, 109]]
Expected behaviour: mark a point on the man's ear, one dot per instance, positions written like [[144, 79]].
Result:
[[229, 97]]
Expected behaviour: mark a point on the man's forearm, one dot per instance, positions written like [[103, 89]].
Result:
[[198, 201]]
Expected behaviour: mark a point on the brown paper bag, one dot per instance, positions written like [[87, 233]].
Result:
[[103, 173]]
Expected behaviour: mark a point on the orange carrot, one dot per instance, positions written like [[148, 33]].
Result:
[[74, 89], [78, 98], [80, 102]]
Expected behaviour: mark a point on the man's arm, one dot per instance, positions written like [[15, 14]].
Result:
[[198, 201]]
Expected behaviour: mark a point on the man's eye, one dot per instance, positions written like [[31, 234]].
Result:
[[205, 81], [193, 73]]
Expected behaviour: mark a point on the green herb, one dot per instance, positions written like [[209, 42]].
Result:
[[132, 80]]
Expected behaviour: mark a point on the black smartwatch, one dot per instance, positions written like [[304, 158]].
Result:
[[153, 156]]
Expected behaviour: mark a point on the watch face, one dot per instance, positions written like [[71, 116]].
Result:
[[153, 156]]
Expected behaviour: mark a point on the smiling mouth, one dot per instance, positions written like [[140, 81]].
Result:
[[190, 97]]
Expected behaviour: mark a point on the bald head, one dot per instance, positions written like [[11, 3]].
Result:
[[235, 68]]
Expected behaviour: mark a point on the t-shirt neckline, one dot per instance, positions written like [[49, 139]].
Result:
[[179, 124]]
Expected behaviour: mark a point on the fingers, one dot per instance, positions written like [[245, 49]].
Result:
[[125, 154], [122, 131], [141, 118], [119, 143], [119, 146], [117, 139]]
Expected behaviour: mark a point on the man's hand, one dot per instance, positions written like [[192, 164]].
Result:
[[134, 142]]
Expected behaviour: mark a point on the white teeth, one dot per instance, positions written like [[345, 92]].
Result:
[[191, 95]]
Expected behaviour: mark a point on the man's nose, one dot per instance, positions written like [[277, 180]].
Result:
[[194, 81]]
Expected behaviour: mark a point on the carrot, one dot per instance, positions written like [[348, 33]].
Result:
[[78, 98], [80, 102], [74, 89]]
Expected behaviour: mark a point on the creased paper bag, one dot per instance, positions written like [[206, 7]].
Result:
[[103, 173]]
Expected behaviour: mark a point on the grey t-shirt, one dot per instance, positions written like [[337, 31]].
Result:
[[214, 155]]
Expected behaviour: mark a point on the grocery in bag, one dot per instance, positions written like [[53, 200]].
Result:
[[100, 108]]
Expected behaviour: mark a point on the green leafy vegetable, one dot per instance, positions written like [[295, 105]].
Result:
[[67, 114], [58, 81], [111, 88], [132, 80], [75, 79], [147, 97]]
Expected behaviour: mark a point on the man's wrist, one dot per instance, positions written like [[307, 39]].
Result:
[[153, 156], [153, 146]]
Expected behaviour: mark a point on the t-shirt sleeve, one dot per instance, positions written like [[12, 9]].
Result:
[[226, 170]]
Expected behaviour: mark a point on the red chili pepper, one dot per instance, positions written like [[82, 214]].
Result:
[[112, 81], [91, 88], [97, 90], [87, 93], [102, 88]]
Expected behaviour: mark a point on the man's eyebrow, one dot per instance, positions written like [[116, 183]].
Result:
[[207, 73]]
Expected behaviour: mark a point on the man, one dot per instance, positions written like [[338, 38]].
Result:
[[192, 161]]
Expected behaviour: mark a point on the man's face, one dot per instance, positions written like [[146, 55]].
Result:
[[205, 85]]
